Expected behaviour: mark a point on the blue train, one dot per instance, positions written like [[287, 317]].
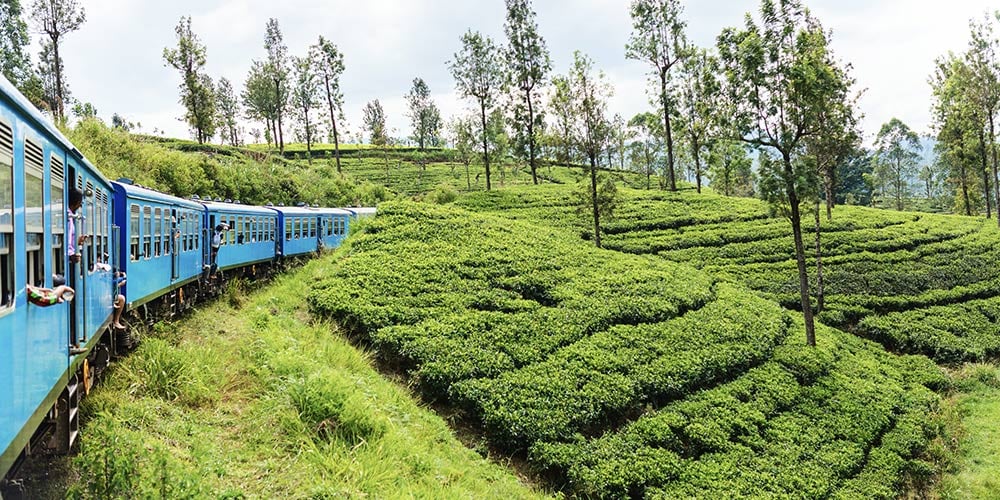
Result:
[[50, 356]]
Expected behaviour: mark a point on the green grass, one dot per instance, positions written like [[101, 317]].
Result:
[[263, 402], [977, 474]]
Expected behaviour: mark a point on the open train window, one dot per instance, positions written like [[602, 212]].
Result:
[[6, 215], [157, 231], [90, 223], [133, 232], [34, 211], [57, 174], [147, 232], [312, 227]]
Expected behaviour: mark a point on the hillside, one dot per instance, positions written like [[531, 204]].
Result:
[[627, 375]]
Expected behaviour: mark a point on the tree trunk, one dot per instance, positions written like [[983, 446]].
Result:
[[819, 263], [309, 155], [486, 155], [60, 98], [531, 140], [281, 138], [800, 253], [828, 189], [649, 166], [965, 189], [986, 177], [996, 176], [468, 178], [593, 197], [333, 122], [670, 139], [697, 163]]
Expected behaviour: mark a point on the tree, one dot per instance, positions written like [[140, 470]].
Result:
[[730, 168], [478, 74], [778, 82], [277, 70], [196, 88], [56, 19], [51, 93], [85, 110], [528, 65], [985, 93], [959, 123], [229, 110], [698, 98], [260, 101], [592, 130], [305, 97], [464, 139], [329, 66], [851, 187], [898, 151], [646, 129], [424, 114], [15, 63], [561, 105], [373, 117], [658, 39]]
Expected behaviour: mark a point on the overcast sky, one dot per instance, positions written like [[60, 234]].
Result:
[[115, 60]]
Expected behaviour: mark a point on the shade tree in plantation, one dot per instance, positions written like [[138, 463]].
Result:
[[590, 93], [958, 121], [260, 101], [645, 148], [527, 70], [896, 159], [56, 19], [699, 93], [561, 111], [228, 111], [478, 74], [197, 91], [50, 92], [658, 39], [15, 61], [618, 138], [463, 137], [425, 117], [277, 70], [778, 82], [329, 67], [984, 91], [730, 168], [305, 98], [373, 118]]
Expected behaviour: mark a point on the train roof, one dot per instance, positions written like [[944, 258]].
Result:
[[362, 211], [298, 210], [31, 113], [143, 193], [333, 211], [220, 206]]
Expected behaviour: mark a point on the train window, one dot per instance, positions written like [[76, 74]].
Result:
[[260, 229], [168, 231], [273, 227], [6, 215], [133, 231], [288, 229], [57, 173], [90, 223], [147, 232], [157, 231], [34, 211]]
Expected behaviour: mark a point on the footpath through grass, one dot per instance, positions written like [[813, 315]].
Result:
[[249, 398], [977, 473]]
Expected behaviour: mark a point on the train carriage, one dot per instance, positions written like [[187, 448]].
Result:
[[251, 238], [161, 243], [333, 225], [43, 349], [301, 230]]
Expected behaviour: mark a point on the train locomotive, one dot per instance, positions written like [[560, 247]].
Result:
[[162, 244]]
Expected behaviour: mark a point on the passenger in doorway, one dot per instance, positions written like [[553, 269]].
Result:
[[75, 202], [45, 297], [119, 300], [216, 243]]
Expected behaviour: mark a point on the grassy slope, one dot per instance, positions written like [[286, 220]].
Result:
[[260, 401], [977, 473]]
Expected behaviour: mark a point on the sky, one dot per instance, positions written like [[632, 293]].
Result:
[[115, 61]]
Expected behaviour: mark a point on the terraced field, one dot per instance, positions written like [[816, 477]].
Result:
[[917, 283], [626, 375]]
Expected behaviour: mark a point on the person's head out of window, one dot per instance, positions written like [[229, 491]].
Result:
[[75, 199]]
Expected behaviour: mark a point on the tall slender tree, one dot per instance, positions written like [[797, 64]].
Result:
[[424, 114], [646, 129], [15, 62], [259, 99], [658, 38], [330, 65], [528, 66], [51, 93], [590, 97], [196, 89], [778, 80], [698, 96], [561, 106], [373, 117], [277, 69], [56, 19], [478, 74], [897, 158], [229, 111], [985, 92], [306, 98]]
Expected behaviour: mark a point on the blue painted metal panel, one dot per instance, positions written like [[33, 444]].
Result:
[[244, 244]]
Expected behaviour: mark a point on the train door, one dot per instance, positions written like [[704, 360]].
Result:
[[175, 247]]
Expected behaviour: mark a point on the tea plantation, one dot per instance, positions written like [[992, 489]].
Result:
[[917, 283], [624, 374]]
